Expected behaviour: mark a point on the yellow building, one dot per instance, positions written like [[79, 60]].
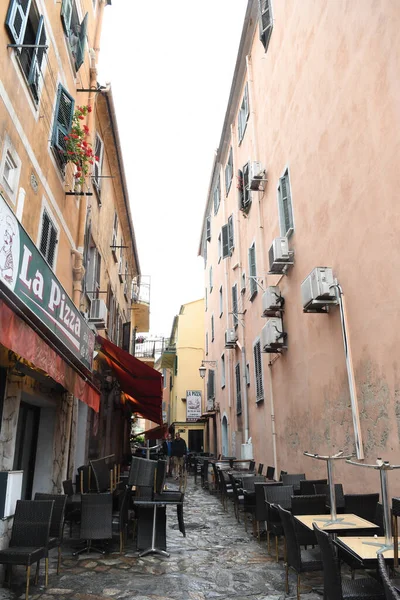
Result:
[[184, 355]]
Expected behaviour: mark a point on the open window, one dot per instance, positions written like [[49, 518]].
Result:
[[63, 114], [75, 30], [25, 26], [98, 165]]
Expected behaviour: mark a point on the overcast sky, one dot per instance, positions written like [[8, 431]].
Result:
[[171, 66]]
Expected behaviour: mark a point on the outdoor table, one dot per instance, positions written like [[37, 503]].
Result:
[[366, 549], [346, 522]]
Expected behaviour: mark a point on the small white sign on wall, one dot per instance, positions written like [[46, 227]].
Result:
[[193, 405]]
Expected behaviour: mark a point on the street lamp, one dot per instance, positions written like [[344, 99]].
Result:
[[203, 368]]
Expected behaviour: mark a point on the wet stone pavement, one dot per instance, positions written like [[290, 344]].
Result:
[[217, 560]]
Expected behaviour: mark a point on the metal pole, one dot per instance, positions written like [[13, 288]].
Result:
[[387, 521], [332, 495], [148, 449]]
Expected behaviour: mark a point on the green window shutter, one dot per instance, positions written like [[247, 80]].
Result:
[[176, 366], [66, 15], [235, 305], [80, 51], [265, 20], [62, 122], [208, 229], [212, 328], [238, 390], [229, 172], [225, 241], [252, 271], [258, 372], [246, 103], [217, 195], [286, 204], [240, 189], [37, 59], [205, 252], [231, 242], [246, 186], [211, 278], [17, 19], [45, 234]]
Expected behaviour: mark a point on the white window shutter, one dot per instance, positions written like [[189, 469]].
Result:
[[17, 19]]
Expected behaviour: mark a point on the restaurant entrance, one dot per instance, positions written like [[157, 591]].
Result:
[[196, 440], [26, 445]]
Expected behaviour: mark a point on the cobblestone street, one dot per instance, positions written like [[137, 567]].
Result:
[[216, 560]]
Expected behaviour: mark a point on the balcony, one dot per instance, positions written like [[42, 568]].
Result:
[[148, 350], [141, 304]]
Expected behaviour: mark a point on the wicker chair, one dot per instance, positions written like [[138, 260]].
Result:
[[260, 469], [307, 486], [260, 511], [103, 475], [29, 536], [293, 479], [336, 588], [270, 473], [238, 498], [339, 496], [391, 592], [249, 505], [363, 505], [72, 514], [302, 561], [274, 496], [96, 521], [226, 488], [308, 505], [120, 519], [56, 527]]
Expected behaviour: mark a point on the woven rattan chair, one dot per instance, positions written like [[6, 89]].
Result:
[[274, 496], [72, 514], [238, 498], [56, 527], [96, 521], [308, 505], [226, 488], [302, 561], [29, 536], [336, 588], [293, 479], [363, 505], [260, 511], [120, 519], [391, 592], [103, 474], [270, 473], [249, 504], [321, 488], [260, 469], [307, 486]]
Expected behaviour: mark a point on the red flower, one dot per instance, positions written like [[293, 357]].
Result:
[[89, 108], [96, 157], [86, 129], [81, 117], [91, 162], [84, 144], [66, 138]]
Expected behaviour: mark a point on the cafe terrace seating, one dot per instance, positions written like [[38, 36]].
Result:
[[391, 592], [56, 527], [276, 496]]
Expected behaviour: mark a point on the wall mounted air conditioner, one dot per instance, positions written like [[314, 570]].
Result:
[[273, 338], [98, 312], [230, 338], [272, 301], [280, 257], [257, 177], [318, 291]]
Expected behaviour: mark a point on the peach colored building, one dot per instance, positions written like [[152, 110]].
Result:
[[305, 173]]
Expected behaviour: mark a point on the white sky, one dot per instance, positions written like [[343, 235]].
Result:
[[170, 65]]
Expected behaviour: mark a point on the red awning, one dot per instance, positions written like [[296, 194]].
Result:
[[16, 335], [157, 433], [142, 384]]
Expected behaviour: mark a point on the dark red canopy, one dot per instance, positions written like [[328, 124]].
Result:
[[142, 384]]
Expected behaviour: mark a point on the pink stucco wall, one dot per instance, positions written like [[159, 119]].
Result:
[[324, 102]]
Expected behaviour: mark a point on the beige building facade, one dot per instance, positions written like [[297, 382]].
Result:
[[304, 177]]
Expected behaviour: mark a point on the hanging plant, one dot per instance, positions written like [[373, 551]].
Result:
[[77, 150]]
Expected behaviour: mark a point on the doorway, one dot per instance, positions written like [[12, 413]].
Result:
[[26, 446], [224, 432], [196, 440]]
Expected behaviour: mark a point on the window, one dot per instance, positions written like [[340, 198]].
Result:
[[120, 262], [229, 172], [266, 23], [208, 229], [235, 305], [221, 308], [243, 283], [126, 280], [112, 314], [211, 278], [48, 239], [219, 248], [247, 374], [211, 384], [75, 31], [252, 271], [238, 390], [93, 273], [63, 114], [205, 252], [26, 28], [212, 328], [10, 169], [258, 371], [227, 238], [164, 376], [98, 165], [244, 112], [244, 193], [223, 381], [217, 195], [285, 205], [115, 237], [207, 343], [176, 366]]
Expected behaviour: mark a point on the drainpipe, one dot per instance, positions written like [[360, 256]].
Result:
[[79, 268], [245, 397], [273, 432]]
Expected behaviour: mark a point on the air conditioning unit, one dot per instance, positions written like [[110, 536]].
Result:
[[272, 301], [318, 291], [256, 175], [230, 338], [273, 338], [98, 312], [280, 257]]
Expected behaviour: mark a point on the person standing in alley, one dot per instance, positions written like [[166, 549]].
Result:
[[167, 451], [179, 451]]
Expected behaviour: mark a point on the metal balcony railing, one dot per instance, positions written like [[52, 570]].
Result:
[[149, 348]]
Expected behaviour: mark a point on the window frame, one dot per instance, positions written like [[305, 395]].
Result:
[[253, 282], [229, 172], [265, 32], [53, 223], [235, 305], [60, 129], [114, 238], [238, 389], [98, 164], [71, 18], [8, 149], [258, 373], [244, 113], [223, 373], [285, 177], [217, 195]]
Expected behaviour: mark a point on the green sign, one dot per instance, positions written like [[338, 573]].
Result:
[[28, 276]]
